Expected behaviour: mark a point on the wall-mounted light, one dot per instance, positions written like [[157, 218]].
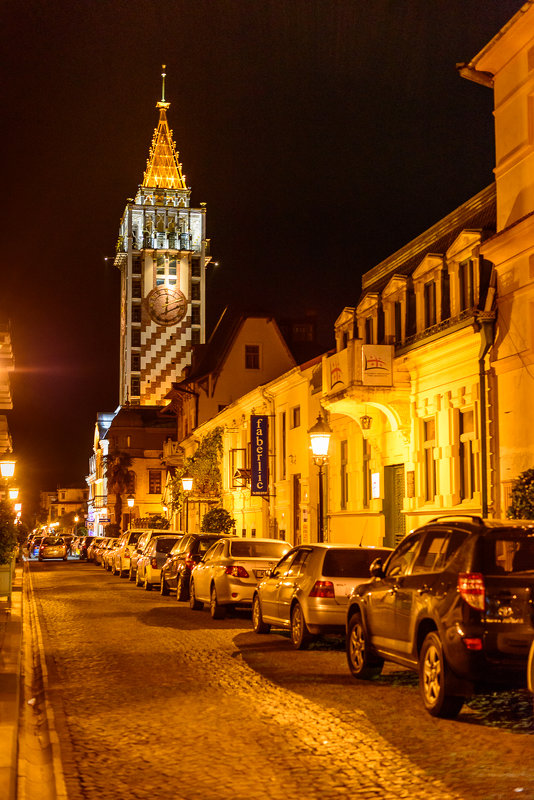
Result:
[[365, 422]]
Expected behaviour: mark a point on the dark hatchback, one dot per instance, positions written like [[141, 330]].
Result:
[[454, 601], [176, 571]]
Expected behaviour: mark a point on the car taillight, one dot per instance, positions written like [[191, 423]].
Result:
[[126, 553], [472, 590], [237, 572], [473, 643], [154, 562], [189, 561], [322, 589]]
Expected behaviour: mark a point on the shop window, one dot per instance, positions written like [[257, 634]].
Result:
[[466, 454]]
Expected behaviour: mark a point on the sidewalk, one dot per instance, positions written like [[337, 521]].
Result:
[[10, 667]]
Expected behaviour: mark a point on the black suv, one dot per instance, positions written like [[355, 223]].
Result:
[[455, 602]]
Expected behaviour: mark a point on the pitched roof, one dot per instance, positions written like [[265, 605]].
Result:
[[163, 168], [477, 213]]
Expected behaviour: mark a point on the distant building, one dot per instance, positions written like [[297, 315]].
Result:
[[162, 254], [64, 501]]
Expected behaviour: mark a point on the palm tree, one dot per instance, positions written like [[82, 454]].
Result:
[[118, 478]]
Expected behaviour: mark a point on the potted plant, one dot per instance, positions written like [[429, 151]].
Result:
[[8, 547]]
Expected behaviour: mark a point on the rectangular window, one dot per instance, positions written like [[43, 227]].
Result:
[[195, 336], [344, 475], [195, 315], [369, 330], [195, 269], [136, 288], [154, 481], [136, 313], [295, 417], [136, 337], [283, 445], [195, 291], [430, 303], [466, 454], [136, 265], [172, 266], [252, 356], [136, 362], [135, 387], [465, 277], [366, 473], [238, 460], [429, 463], [398, 320]]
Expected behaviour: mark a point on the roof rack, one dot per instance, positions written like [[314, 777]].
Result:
[[471, 517]]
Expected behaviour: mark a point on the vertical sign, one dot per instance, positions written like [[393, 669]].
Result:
[[259, 439]]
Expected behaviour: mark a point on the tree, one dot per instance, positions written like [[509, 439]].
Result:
[[8, 533], [117, 474], [218, 520], [204, 466], [522, 505]]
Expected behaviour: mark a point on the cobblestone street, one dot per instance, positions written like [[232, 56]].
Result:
[[153, 700]]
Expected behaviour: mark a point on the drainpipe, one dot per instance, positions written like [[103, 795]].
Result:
[[271, 513], [486, 340]]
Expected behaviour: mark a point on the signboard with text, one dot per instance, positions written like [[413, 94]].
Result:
[[259, 442]]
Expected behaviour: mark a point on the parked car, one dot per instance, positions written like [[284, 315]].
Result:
[[107, 552], [83, 545], [52, 547], [33, 549], [144, 539], [120, 563], [96, 541], [454, 602], [176, 571], [229, 572], [308, 590], [152, 559], [99, 549]]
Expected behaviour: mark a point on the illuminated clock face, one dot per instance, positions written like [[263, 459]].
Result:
[[166, 306]]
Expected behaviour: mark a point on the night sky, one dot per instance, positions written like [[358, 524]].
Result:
[[322, 136]]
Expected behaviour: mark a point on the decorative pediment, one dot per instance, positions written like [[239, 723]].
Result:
[[346, 318], [367, 304], [431, 263], [396, 285], [463, 245]]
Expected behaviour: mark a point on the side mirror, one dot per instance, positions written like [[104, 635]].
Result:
[[268, 573], [376, 569]]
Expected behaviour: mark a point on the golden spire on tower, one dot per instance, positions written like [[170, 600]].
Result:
[[163, 170]]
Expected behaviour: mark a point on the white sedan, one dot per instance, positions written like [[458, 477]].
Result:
[[229, 572]]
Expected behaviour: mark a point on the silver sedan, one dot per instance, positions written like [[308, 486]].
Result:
[[229, 572]]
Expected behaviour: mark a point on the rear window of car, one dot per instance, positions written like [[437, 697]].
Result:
[[259, 549], [134, 536], [349, 563], [165, 545], [51, 541], [508, 552]]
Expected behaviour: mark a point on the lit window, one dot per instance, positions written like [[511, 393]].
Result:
[[154, 481]]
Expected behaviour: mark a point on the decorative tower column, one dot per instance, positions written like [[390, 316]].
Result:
[[162, 255]]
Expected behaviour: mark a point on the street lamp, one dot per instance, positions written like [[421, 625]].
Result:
[[7, 468], [13, 493], [320, 434], [187, 485], [131, 502]]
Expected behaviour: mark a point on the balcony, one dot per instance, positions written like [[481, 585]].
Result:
[[173, 454]]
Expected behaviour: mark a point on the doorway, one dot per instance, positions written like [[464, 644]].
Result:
[[395, 521]]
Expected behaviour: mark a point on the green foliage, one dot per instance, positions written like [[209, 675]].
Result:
[[117, 473], [522, 505], [218, 520], [113, 530], [205, 468], [8, 533]]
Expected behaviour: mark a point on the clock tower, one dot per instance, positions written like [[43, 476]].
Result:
[[162, 255]]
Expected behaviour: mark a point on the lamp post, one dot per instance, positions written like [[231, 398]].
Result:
[[131, 502], [7, 470], [187, 485], [320, 434]]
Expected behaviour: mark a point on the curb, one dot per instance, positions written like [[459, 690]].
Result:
[[10, 668]]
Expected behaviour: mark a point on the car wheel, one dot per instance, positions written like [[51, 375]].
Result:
[[181, 588], [131, 574], [39, 558], [122, 573], [147, 586], [163, 588], [435, 679], [300, 635], [138, 581], [195, 604], [64, 558], [257, 619], [362, 663], [216, 610]]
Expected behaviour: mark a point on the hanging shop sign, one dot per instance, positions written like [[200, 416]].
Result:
[[259, 439]]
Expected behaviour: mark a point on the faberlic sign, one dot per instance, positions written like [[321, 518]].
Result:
[[259, 438]]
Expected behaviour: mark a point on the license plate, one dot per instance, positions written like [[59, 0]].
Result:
[[259, 573]]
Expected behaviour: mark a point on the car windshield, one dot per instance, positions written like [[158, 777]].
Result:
[[349, 563], [258, 549], [134, 536], [165, 545], [205, 544], [508, 551]]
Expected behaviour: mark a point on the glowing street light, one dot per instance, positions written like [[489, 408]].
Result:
[[187, 485], [320, 434], [131, 503]]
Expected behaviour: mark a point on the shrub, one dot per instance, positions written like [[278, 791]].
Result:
[[522, 505], [8, 533], [218, 520]]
